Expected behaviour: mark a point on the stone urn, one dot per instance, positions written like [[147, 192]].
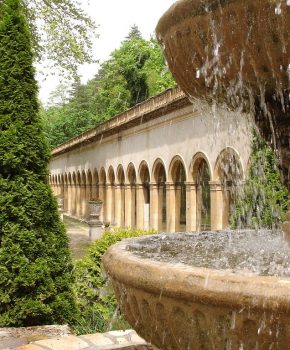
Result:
[[176, 306], [95, 225]]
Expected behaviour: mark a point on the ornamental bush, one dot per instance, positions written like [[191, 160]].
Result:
[[35, 263], [95, 297], [264, 199]]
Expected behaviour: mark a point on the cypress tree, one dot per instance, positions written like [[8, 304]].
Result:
[[35, 263]]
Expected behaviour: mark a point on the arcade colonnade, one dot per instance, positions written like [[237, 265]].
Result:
[[178, 169]]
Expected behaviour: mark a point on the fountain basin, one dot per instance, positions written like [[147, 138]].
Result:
[[177, 306]]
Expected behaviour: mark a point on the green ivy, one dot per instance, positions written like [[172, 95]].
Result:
[[263, 200]]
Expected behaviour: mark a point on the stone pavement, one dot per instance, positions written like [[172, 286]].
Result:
[[114, 340], [122, 340]]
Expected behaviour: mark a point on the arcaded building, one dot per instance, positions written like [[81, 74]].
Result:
[[168, 163]]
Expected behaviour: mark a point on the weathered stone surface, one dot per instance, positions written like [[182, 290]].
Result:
[[63, 343], [175, 306]]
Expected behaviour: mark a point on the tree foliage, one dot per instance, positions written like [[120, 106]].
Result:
[[263, 200], [133, 73], [62, 33], [35, 264]]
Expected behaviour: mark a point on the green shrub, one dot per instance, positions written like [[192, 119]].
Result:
[[95, 297], [35, 264], [263, 201]]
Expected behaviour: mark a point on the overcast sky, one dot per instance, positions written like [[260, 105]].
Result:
[[115, 18]]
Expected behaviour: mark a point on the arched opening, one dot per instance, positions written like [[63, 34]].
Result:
[[159, 214], [178, 200], [143, 197], [229, 175], [131, 197], [201, 177], [120, 197]]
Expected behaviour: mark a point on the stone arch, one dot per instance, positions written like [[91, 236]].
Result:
[[110, 207], [143, 196], [103, 176], [111, 175], [78, 178], [176, 164], [177, 195], [159, 171], [158, 210], [228, 165], [89, 177], [69, 178], [228, 176], [120, 175], [143, 172], [131, 174], [83, 178], [74, 178], [202, 175], [120, 197]]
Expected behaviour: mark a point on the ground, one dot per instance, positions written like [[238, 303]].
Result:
[[79, 237]]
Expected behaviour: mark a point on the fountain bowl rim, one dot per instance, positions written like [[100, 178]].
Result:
[[189, 283]]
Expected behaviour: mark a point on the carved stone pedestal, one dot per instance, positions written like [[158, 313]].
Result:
[[95, 225]]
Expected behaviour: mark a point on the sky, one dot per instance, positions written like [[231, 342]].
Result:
[[114, 18]]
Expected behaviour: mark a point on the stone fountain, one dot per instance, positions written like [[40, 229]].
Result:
[[234, 53]]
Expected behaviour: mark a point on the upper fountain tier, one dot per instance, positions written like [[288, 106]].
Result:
[[211, 45], [236, 52]]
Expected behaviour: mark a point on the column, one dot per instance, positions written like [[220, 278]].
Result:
[[88, 197], [190, 206], [140, 206], [103, 197], [154, 206], [119, 210], [65, 197], [84, 202], [217, 206], [128, 206], [74, 199], [110, 217], [171, 216], [78, 200]]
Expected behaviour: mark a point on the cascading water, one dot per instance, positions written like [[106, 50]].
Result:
[[218, 290]]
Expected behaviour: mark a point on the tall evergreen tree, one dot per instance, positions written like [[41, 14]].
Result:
[[35, 264]]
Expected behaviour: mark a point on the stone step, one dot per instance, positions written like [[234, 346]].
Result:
[[114, 340]]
